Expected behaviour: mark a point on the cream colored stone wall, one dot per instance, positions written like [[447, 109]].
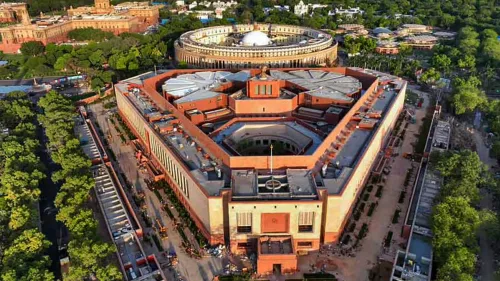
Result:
[[242, 61], [205, 48], [190, 190], [338, 206], [216, 217]]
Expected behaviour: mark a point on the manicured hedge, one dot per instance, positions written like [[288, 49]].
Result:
[[363, 231], [371, 209]]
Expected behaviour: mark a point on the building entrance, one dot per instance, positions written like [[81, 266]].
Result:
[[277, 269]]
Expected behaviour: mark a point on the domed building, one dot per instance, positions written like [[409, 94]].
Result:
[[255, 38], [253, 45]]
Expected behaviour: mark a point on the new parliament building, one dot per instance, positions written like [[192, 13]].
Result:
[[265, 160]]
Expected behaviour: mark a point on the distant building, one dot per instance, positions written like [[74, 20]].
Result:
[[13, 12], [180, 3], [352, 29], [125, 17], [193, 5], [422, 42], [246, 45], [445, 35], [346, 12], [301, 8], [387, 47]]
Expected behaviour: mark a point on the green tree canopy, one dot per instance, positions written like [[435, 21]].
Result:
[[32, 48]]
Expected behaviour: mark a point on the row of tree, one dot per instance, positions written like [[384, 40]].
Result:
[[399, 65], [22, 245], [473, 55], [103, 62], [443, 13], [455, 221], [89, 255]]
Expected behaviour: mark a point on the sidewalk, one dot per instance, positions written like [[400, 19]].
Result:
[[357, 265], [189, 268]]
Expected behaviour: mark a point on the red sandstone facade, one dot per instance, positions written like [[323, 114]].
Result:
[[49, 30], [316, 204]]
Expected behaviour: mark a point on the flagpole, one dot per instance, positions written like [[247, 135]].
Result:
[[271, 160]]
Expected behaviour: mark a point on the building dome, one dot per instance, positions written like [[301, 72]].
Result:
[[255, 38]]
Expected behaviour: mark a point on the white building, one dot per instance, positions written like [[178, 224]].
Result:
[[206, 3], [219, 12], [317, 6], [204, 14], [347, 12], [301, 8], [221, 4], [180, 3], [193, 5], [284, 8]]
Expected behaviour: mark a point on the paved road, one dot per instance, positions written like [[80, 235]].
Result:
[[50, 227], [17, 82], [486, 253]]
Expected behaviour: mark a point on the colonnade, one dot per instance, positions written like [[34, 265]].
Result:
[[218, 62]]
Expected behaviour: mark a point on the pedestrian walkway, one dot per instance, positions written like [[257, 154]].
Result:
[[189, 268]]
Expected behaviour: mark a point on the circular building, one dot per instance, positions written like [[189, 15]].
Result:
[[247, 45]]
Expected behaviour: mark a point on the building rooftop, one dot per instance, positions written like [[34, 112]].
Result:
[[413, 25], [4, 5], [289, 184], [255, 38], [422, 38], [211, 166], [275, 245], [321, 83], [196, 85], [380, 30], [87, 143], [416, 263]]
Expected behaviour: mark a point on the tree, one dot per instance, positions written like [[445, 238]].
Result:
[[468, 61], [495, 149], [441, 62], [454, 224], [467, 98], [430, 76], [491, 49], [468, 40], [447, 20], [32, 48], [111, 273], [459, 266], [88, 34]]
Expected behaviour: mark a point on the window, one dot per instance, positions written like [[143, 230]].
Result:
[[244, 222], [262, 89], [304, 244], [243, 246], [306, 221]]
